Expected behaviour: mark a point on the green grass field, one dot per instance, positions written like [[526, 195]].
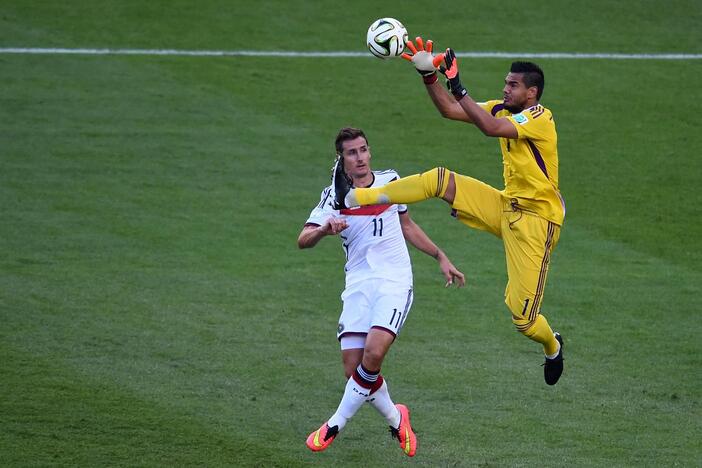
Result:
[[156, 311]]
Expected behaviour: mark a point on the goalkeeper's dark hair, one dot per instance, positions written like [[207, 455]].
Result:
[[532, 73], [346, 134]]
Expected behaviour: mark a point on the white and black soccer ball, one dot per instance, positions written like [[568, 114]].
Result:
[[386, 38]]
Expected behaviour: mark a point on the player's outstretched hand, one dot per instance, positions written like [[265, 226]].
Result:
[[422, 58], [450, 272], [450, 70]]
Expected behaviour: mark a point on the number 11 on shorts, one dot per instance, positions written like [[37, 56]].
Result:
[[399, 318]]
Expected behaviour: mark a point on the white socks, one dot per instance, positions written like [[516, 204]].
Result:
[[354, 397], [380, 400]]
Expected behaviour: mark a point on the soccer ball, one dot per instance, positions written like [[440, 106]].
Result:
[[386, 38]]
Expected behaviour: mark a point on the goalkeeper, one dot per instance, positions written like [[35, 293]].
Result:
[[527, 214]]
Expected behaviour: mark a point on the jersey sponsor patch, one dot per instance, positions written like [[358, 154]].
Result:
[[520, 118]]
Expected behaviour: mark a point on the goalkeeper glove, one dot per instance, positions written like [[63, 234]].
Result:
[[422, 58], [453, 81]]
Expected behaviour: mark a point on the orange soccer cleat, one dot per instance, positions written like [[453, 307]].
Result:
[[322, 438], [404, 433]]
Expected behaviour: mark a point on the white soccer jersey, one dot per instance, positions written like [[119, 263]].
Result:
[[373, 241]]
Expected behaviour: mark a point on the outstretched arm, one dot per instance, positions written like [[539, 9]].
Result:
[[425, 63], [418, 238], [487, 123], [447, 105]]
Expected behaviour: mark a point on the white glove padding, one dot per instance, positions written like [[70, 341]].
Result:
[[422, 58]]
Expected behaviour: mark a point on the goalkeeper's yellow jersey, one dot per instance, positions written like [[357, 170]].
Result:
[[531, 161]]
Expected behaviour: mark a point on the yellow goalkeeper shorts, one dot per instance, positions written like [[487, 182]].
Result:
[[528, 238]]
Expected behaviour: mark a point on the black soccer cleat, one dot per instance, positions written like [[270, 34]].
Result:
[[553, 368], [342, 184]]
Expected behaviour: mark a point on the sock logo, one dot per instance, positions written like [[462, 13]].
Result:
[[365, 394]]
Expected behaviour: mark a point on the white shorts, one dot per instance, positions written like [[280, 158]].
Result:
[[375, 303]]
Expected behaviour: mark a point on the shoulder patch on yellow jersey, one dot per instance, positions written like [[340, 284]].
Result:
[[520, 118]]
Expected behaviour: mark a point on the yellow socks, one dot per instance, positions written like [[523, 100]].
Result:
[[409, 189], [539, 331]]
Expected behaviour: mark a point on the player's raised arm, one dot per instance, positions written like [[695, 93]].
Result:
[[487, 123], [426, 64]]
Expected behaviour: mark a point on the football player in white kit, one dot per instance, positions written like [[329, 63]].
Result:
[[378, 293]]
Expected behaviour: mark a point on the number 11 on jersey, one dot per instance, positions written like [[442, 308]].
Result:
[[378, 227]]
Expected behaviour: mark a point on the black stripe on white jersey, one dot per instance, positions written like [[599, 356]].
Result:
[[325, 196]]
